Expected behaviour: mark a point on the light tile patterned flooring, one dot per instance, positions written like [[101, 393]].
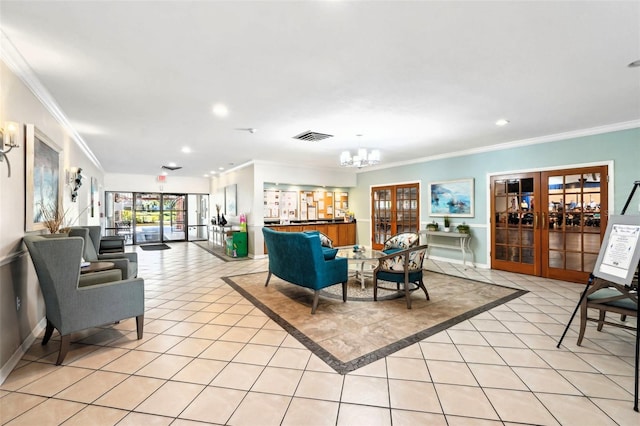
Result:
[[209, 357]]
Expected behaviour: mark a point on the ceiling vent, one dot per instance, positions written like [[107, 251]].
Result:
[[172, 168], [312, 136]]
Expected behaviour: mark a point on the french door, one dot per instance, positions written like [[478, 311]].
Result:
[[549, 224], [395, 209]]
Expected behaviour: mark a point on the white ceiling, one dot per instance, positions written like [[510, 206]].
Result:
[[138, 80]]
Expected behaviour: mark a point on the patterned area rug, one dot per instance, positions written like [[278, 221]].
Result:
[[350, 335]]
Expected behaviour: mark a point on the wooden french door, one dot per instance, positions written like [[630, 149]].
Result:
[[549, 224], [395, 209]]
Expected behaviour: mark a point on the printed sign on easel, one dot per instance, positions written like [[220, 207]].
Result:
[[620, 251]]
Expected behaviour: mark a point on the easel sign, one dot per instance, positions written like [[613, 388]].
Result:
[[620, 251]]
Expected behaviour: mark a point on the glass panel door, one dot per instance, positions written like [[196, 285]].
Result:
[[174, 215], [516, 215], [147, 218], [395, 209], [549, 224], [381, 208], [576, 219], [198, 213], [407, 209], [119, 215]]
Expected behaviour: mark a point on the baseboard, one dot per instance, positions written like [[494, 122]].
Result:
[[8, 367], [459, 262]]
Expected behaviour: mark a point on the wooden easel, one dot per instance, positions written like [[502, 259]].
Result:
[[626, 282]]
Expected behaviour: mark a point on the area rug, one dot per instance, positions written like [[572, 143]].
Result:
[[218, 252], [154, 247], [350, 335]]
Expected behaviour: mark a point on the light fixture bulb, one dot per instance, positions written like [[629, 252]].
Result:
[[502, 122]]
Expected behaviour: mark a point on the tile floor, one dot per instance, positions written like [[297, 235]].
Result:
[[209, 357]]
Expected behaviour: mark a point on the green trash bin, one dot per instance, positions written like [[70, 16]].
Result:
[[236, 244]]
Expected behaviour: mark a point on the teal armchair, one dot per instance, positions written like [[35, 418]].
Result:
[[297, 257], [72, 307]]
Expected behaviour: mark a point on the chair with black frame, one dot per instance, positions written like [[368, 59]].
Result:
[[606, 296], [401, 267]]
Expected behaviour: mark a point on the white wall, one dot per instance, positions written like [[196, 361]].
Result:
[[147, 183], [19, 104], [250, 179]]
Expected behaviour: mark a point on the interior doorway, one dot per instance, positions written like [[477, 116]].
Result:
[[550, 223], [395, 209]]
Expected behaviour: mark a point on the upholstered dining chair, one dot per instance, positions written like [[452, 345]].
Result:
[[71, 307], [605, 296], [126, 262], [401, 241], [403, 267]]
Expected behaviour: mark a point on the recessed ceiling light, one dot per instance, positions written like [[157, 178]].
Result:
[[634, 64], [186, 149], [205, 175], [172, 164], [502, 122], [220, 110], [220, 168], [213, 172]]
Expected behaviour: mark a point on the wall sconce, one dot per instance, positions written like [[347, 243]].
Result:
[[8, 139], [75, 180]]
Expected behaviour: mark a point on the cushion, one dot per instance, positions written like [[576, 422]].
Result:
[[329, 253], [401, 241]]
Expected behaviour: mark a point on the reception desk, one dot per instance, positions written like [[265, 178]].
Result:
[[341, 233]]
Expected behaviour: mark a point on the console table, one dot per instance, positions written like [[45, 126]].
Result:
[[449, 240], [219, 234]]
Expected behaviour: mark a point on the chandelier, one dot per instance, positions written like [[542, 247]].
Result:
[[360, 160]]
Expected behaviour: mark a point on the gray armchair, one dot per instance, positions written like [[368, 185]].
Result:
[[71, 307], [126, 262]]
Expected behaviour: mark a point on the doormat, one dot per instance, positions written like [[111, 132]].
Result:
[[155, 247], [349, 335]]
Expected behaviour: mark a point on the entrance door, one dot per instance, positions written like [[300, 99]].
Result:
[[549, 224], [147, 223], [395, 209], [174, 214]]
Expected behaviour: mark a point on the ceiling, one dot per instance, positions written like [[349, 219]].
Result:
[[138, 81]]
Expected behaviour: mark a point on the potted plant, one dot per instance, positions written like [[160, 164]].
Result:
[[463, 228], [433, 226], [447, 223]]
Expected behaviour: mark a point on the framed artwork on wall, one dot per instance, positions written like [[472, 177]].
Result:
[[453, 198], [43, 180], [230, 200]]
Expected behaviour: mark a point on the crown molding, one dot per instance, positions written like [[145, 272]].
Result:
[[626, 125], [14, 60]]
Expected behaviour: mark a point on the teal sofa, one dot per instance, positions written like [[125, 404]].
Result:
[[298, 258]]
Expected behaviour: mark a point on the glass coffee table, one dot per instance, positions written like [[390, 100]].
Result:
[[364, 260]]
